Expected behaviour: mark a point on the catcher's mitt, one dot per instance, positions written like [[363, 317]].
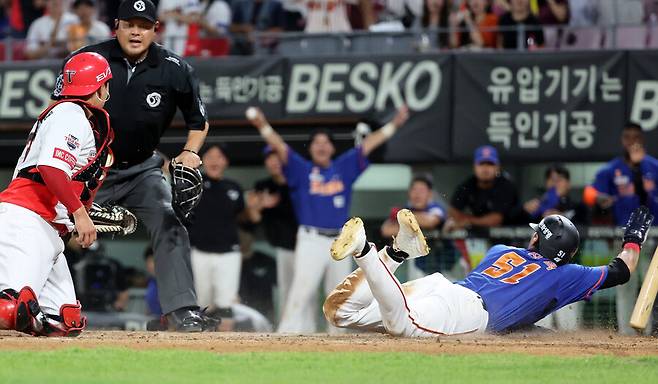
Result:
[[112, 219], [186, 189]]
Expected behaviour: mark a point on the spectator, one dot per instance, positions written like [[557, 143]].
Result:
[[556, 199], [216, 257], [486, 199], [615, 12], [650, 10], [429, 213], [475, 25], [295, 15], [584, 13], [334, 15], [46, 37], [4, 18], [22, 13], [519, 16], [321, 192], [215, 18], [396, 15], [177, 16], [270, 205], [553, 12], [89, 30], [436, 15], [255, 15]]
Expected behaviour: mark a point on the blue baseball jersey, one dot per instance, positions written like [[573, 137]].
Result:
[[322, 196], [616, 179], [520, 287]]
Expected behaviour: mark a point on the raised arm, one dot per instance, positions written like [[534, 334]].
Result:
[[621, 267], [380, 136], [257, 118]]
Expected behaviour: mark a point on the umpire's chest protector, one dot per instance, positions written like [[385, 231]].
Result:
[[144, 98]]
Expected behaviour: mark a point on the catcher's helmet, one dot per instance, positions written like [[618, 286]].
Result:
[[186, 188], [558, 238], [84, 74]]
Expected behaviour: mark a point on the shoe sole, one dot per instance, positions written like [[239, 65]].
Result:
[[407, 218], [346, 238]]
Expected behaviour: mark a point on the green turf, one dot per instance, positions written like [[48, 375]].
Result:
[[74, 366]]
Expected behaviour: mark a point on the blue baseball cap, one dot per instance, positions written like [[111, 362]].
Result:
[[486, 154]]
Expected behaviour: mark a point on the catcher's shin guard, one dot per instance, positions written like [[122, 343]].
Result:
[[28, 317], [8, 306]]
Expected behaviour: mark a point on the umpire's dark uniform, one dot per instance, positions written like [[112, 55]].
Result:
[[143, 101]]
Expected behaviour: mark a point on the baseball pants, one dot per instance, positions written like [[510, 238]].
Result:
[[372, 299], [312, 263], [285, 267], [144, 190], [31, 255], [216, 277]]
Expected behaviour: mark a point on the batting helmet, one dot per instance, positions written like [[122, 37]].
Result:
[[558, 238], [84, 74], [186, 189]]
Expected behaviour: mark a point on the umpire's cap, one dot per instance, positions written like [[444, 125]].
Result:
[[144, 9], [558, 238]]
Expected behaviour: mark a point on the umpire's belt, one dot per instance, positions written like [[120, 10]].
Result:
[[320, 231]]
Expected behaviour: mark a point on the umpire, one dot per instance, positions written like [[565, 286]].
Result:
[[149, 83]]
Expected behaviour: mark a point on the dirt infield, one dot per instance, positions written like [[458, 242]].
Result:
[[570, 344]]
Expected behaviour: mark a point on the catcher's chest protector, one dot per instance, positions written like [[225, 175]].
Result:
[[90, 176]]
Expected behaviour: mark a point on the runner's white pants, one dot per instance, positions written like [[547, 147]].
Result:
[[372, 299], [312, 263], [31, 255]]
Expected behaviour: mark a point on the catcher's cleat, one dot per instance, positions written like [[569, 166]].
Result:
[[351, 240], [410, 238]]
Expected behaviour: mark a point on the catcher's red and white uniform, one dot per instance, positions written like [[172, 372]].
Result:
[[31, 217]]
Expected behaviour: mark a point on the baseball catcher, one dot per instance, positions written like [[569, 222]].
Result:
[[62, 166], [511, 289]]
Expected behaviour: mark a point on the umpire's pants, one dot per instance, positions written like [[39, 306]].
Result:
[[144, 190]]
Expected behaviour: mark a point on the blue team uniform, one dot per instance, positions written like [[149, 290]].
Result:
[[616, 179], [322, 196], [520, 287]]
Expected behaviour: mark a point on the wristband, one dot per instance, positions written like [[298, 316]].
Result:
[[632, 246], [388, 130], [189, 150], [266, 131]]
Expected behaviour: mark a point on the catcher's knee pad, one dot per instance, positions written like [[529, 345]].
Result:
[[8, 306]]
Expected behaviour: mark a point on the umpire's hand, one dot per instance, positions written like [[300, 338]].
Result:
[[189, 159]]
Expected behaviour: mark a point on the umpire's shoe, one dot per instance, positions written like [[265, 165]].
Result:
[[189, 320], [410, 238]]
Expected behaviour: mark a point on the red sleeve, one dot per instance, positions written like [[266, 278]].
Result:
[[61, 186]]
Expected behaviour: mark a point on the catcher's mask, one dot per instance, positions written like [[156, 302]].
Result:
[[187, 186]]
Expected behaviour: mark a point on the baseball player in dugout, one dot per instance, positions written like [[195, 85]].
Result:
[[622, 185], [57, 175], [511, 289], [149, 84], [321, 192]]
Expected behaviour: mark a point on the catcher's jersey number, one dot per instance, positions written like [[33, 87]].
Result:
[[506, 263]]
